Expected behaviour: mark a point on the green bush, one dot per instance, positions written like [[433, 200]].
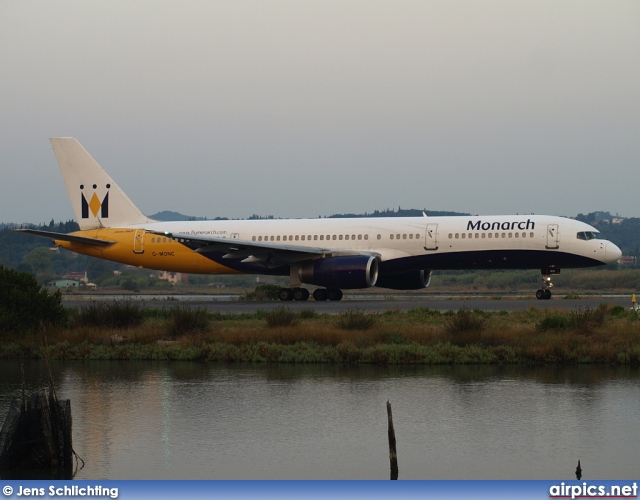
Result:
[[25, 305], [120, 314], [183, 320], [584, 318], [618, 311], [552, 321], [465, 321], [308, 314], [263, 292], [281, 316], [392, 338], [355, 319]]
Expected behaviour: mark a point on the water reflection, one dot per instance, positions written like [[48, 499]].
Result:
[[183, 420]]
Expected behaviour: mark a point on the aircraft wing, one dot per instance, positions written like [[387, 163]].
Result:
[[273, 253], [67, 237]]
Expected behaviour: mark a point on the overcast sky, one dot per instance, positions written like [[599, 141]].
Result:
[[307, 108]]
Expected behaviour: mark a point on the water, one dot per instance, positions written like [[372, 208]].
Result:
[[187, 420]]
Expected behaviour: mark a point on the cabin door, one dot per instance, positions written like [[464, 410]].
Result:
[[553, 236], [431, 237], [138, 241]]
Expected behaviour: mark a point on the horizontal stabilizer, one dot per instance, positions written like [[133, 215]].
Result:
[[66, 237]]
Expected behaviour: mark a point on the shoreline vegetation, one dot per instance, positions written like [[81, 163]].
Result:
[[134, 330]]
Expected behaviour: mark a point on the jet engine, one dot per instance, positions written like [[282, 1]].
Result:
[[350, 272], [410, 280]]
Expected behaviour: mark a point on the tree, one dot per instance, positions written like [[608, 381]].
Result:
[[38, 259], [24, 305]]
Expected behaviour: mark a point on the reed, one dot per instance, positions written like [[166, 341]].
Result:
[[183, 320], [120, 314], [600, 335], [281, 316], [355, 319]]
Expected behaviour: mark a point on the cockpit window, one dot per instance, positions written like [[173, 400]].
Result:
[[590, 235]]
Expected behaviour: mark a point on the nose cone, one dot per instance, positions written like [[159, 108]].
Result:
[[611, 253]]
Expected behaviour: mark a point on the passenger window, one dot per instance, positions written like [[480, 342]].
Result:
[[464, 235], [404, 236], [278, 238], [253, 238], [379, 236], [272, 238], [517, 235], [391, 236], [510, 235], [322, 237], [297, 237], [315, 237], [334, 237], [530, 235], [259, 238], [339, 237], [366, 236], [457, 236], [484, 235], [477, 235], [359, 236]]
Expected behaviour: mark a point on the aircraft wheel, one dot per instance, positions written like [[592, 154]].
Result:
[[540, 294], [547, 294], [334, 294], [285, 294], [301, 294], [320, 295]]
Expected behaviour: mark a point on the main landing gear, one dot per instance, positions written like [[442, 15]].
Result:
[[302, 294], [545, 292]]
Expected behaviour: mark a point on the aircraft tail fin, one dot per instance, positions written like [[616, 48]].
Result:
[[97, 201]]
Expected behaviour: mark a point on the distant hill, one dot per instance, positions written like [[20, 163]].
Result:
[[167, 215], [411, 212]]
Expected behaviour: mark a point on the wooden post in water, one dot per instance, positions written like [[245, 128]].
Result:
[[37, 435], [578, 471], [393, 456]]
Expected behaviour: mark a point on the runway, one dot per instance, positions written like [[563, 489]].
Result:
[[447, 303]]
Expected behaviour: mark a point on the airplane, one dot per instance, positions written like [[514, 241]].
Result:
[[397, 253]]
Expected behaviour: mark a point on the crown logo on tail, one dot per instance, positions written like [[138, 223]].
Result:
[[94, 205]]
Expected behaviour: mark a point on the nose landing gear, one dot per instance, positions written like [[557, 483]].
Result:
[[545, 292]]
